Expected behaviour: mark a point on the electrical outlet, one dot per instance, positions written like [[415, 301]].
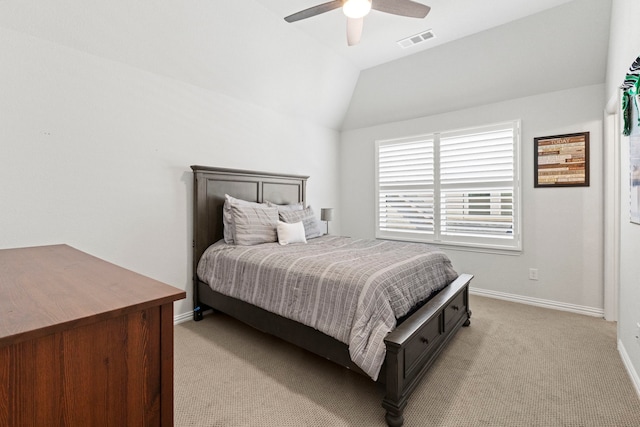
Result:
[[533, 274]]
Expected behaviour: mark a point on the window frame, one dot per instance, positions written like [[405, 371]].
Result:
[[482, 243]]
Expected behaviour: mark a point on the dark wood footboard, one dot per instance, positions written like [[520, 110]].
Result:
[[415, 344]]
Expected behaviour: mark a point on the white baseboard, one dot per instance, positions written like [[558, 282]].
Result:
[[580, 309], [181, 318], [635, 379]]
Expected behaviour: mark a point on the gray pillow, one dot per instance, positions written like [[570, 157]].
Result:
[[311, 224], [254, 224], [229, 229]]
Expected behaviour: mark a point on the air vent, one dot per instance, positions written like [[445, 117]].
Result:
[[416, 39]]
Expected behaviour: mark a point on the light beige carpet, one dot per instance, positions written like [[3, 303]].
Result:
[[516, 365]]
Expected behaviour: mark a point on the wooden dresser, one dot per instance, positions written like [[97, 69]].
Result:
[[83, 342]]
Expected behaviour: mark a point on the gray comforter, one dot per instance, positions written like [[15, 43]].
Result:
[[351, 289]]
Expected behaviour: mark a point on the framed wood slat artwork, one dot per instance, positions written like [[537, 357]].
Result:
[[561, 160]]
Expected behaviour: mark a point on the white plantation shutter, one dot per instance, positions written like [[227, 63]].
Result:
[[405, 182], [476, 184], [454, 188]]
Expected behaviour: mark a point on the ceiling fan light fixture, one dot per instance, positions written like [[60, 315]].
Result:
[[356, 8]]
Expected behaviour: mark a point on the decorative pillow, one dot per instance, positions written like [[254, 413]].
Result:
[[291, 233], [254, 224], [283, 208], [229, 229], [311, 224]]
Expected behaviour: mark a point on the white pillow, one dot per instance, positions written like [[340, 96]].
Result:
[[291, 233]]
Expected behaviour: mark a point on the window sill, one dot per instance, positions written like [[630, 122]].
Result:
[[462, 247]]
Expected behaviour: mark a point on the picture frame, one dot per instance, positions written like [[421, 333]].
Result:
[[561, 160]]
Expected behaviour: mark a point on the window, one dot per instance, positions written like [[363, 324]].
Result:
[[458, 188]]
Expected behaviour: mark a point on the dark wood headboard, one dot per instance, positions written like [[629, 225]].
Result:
[[210, 184]]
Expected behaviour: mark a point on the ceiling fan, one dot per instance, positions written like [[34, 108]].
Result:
[[356, 10]]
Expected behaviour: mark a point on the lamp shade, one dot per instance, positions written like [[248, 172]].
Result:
[[326, 214]]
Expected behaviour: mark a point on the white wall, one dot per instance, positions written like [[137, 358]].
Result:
[[624, 47], [95, 153], [562, 227]]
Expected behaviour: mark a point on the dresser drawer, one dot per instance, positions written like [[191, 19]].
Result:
[[424, 339], [454, 311]]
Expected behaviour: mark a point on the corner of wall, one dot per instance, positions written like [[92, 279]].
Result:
[[633, 374]]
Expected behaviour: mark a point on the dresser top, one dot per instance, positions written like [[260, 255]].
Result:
[[45, 289]]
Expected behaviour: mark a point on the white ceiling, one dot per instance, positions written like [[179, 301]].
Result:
[[449, 19]]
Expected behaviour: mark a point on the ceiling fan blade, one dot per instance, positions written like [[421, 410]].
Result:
[[354, 30], [408, 8], [315, 10]]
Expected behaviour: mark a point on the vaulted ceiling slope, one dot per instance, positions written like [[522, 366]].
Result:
[[560, 48], [234, 48], [449, 19]]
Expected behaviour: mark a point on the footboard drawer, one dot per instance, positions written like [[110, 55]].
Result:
[[416, 348], [454, 311]]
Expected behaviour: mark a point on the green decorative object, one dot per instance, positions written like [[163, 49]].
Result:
[[630, 94]]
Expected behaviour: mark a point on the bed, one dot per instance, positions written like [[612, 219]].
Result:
[[409, 349]]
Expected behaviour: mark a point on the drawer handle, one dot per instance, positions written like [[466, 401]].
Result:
[[424, 340], [455, 307]]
